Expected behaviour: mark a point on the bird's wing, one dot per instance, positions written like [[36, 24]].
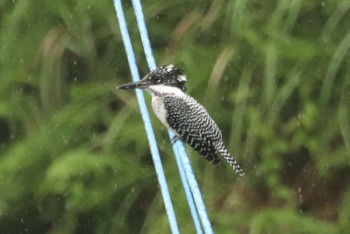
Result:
[[193, 124]]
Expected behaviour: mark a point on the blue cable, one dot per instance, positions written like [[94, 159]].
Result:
[[194, 188], [187, 190], [144, 34], [146, 119], [152, 65], [178, 147]]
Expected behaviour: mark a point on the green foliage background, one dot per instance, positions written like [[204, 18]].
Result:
[[74, 157]]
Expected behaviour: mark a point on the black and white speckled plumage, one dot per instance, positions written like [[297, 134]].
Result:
[[192, 123], [183, 114]]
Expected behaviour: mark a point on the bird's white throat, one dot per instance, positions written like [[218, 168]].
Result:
[[160, 90]]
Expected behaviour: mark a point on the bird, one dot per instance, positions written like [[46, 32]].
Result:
[[181, 113]]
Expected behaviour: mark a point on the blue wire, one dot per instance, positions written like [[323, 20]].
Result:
[[144, 34], [145, 116], [187, 190], [178, 147], [194, 188], [152, 65]]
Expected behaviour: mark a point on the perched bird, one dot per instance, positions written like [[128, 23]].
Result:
[[183, 114]]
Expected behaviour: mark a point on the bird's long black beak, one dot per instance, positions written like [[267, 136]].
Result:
[[135, 85]]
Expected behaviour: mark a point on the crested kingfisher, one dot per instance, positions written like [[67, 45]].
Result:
[[181, 113]]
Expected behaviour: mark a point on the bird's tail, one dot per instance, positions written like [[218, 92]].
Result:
[[227, 156]]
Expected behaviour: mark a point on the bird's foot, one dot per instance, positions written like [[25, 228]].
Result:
[[175, 138]]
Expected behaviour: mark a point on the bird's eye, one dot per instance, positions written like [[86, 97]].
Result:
[[157, 79]]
